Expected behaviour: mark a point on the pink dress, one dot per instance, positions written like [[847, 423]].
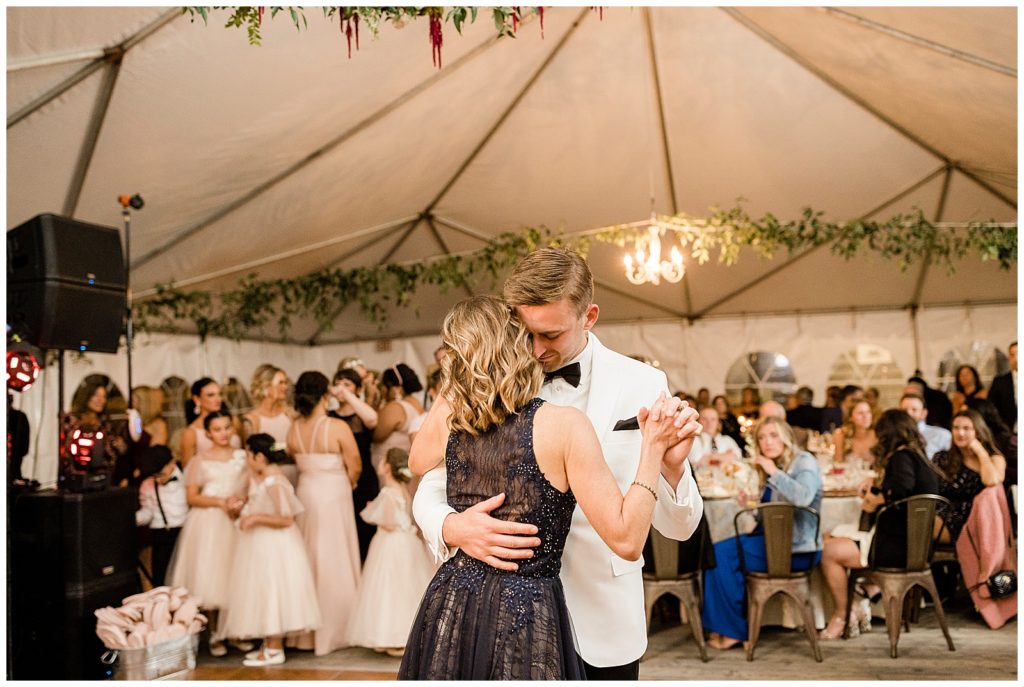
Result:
[[399, 438], [202, 556], [329, 531]]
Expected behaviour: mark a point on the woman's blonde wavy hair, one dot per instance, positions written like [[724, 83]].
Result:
[[261, 380], [488, 372], [788, 443]]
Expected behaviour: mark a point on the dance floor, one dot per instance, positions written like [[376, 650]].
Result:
[[782, 654]]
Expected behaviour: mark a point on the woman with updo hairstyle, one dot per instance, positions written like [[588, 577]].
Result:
[[968, 386], [398, 414], [206, 399], [271, 414], [329, 466]]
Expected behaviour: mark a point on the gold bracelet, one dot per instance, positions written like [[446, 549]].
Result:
[[641, 484]]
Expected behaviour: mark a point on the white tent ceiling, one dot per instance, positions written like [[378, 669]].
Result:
[[290, 157]]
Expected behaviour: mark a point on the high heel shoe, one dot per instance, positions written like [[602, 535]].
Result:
[[834, 630], [217, 648]]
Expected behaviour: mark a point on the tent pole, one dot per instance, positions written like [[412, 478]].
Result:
[[922, 42], [92, 136], [317, 154], [508, 111], [666, 152], [444, 247]]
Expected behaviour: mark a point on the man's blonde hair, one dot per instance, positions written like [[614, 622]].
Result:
[[488, 372], [548, 275]]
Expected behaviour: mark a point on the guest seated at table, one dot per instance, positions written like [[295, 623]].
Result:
[[1004, 439], [902, 470], [832, 412], [730, 425], [970, 465], [940, 410], [854, 440], [789, 476], [750, 401], [968, 385], [804, 414], [711, 445], [703, 397], [935, 438]]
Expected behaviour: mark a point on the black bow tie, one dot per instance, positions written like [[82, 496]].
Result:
[[570, 373]]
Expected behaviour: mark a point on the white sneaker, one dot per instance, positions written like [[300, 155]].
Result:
[[270, 658]]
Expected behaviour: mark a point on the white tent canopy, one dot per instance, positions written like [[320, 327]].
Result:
[[290, 157]]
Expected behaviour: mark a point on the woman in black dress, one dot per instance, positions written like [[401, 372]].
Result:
[[361, 419], [971, 464], [477, 622], [902, 470]]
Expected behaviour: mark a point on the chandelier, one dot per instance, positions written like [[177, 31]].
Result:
[[646, 265]]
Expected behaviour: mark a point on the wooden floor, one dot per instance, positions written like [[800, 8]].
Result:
[[782, 654]]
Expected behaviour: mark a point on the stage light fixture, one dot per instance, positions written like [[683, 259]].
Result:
[[22, 370]]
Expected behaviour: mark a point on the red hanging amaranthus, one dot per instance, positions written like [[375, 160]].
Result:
[[259, 15], [436, 38], [540, 11], [346, 23]]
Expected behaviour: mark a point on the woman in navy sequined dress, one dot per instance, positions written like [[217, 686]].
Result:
[[477, 622]]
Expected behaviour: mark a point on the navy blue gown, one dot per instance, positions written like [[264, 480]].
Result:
[[480, 623]]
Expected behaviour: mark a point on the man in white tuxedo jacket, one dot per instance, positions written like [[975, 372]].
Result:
[[552, 290]]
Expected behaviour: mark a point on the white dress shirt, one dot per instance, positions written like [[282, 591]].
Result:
[[561, 392], [935, 438], [702, 447], [172, 498]]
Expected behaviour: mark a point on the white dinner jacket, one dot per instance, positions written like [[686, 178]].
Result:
[[604, 593]]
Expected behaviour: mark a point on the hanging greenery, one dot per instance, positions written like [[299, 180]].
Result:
[[256, 302], [506, 20]]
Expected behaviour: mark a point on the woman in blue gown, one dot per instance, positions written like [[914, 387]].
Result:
[[788, 475]]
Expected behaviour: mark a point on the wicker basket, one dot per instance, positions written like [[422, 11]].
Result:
[[164, 661]]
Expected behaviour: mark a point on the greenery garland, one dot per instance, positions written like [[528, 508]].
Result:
[[257, 302], [506, 20]]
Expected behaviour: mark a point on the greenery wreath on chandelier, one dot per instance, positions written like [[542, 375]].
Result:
[[906, 238]]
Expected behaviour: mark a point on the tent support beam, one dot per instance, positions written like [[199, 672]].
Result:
[[751, 284], [922, 42], [915, 300], [316, 154], [387, 256], [505, 115], [109, 56], [444, 247], [92, 136], [782, 47], [472, 233], [278, 257], [832, 83], [970, 174], [663, 128]]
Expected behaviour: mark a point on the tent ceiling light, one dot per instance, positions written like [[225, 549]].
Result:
[[646, 266]]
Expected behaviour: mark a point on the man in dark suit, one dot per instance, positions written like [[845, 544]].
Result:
[[940, 410], [804, 415], [1003, 393]]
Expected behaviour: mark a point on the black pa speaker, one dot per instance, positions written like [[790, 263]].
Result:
[[66, 284], [70, 554]]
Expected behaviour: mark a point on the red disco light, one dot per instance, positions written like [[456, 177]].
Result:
[[22, 370]]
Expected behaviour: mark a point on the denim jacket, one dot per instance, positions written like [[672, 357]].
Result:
[[801, 485]]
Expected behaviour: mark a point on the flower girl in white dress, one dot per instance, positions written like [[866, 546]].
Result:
[[398, 567], [272, 591]]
